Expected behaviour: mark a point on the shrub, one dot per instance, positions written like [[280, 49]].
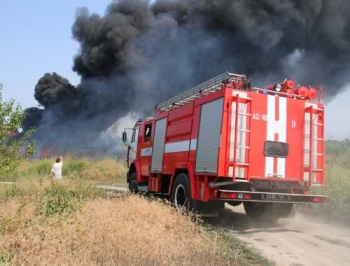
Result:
[[13, 149], [58, 199], [64, 198]]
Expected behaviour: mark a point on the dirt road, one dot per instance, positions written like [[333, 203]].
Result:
[[298, 241], [303, 240]]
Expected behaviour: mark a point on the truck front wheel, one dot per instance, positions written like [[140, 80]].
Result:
[[133, 185], [181, 193]]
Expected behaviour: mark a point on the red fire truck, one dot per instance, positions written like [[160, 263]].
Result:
[[226, 141]]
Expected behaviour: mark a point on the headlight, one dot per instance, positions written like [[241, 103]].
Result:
[[278, 87]]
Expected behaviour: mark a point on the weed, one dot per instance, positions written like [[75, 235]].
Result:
[[9, 224], [337, 184], [106, 170], [58, 199], [6, 259], [10, 191], [40, 168], [75, 166]]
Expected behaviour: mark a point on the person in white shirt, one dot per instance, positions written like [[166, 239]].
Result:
[[56, 170]]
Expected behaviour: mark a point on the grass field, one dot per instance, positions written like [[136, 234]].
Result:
[[337, 185], [103, 171], [71, 222]]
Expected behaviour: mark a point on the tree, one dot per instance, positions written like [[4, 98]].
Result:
[[14, 146]]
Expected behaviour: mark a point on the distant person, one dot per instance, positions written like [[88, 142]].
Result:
[[56, 170]]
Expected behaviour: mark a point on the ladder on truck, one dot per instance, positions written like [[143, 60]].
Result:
[[314, 144], [198, 91], [240, 121]]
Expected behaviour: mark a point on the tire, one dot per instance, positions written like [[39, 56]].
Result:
[[257, 210], [181, 193], [133, 185], [284, 210]]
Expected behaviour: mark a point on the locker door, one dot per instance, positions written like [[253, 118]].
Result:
[[209, 137], [158, 145]]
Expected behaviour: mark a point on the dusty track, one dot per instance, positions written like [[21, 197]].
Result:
[[302, 240]]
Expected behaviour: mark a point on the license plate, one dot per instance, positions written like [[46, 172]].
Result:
[[274, 197]]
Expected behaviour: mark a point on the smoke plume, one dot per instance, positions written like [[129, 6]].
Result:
[[138, 53], [52, 89]]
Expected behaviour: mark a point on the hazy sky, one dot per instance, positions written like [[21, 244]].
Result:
[[337, 112], [36, 38]]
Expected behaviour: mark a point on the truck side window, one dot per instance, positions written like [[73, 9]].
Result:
[[133, 135], [148, 130]]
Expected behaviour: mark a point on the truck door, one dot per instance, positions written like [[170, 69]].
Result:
[[133, 144], [146, 148]]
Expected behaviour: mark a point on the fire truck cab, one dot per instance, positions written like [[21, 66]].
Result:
[[226, 141]]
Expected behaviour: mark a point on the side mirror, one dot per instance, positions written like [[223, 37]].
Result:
[[125, 137]]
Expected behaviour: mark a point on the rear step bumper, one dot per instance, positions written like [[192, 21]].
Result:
[[233, 195]]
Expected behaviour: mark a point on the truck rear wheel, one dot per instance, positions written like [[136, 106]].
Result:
[[269, 211], [133, 185], [257, 210], [181, 193]]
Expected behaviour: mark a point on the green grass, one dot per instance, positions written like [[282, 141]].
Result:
[[103, 171], [6, 259], [59, 199], [337, 184], [11, 191]]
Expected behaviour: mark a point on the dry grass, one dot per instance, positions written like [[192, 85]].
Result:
[[106, 170], [128, 230], [71, 222]]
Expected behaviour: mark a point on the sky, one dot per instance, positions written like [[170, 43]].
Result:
[[36, 38]]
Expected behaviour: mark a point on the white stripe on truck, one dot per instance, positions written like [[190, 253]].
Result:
[[278, 127]]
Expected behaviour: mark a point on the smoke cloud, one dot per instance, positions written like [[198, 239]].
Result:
[[52, 89], [138, 53]]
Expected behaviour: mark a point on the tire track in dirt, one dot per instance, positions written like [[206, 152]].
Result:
[[302, 240]]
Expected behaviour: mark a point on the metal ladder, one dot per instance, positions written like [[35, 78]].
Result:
[[198, 91], [316, 158], [242, 139]]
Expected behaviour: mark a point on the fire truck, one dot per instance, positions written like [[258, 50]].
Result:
[[225, 141]]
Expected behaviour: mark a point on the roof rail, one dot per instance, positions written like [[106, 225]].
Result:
[[196, 92]]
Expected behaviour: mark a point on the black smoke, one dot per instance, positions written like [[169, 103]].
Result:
[[52, 89], [138, 53], [258, 38], [34, 117]]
